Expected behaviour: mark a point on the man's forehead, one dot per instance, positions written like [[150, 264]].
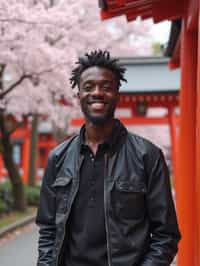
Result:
[[97, 73]]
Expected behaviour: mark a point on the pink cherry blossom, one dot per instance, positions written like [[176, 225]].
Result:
[[39, 42]]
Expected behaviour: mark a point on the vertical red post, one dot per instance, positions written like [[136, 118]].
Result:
[[25, 153], [185, 180], [174, 140], [198, 150]]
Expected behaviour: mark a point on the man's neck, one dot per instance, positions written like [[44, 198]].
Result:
[[97, 134]]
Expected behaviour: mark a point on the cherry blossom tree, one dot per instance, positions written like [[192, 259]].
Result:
[[39, 43]]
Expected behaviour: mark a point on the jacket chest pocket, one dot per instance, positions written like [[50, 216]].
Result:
[[129, 200], [62, 186]]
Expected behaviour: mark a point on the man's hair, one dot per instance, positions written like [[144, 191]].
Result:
[[100, 59]]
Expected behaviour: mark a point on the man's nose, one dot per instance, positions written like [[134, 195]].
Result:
[[98, 90]]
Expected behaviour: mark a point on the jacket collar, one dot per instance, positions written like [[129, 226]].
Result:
[[113, 142]]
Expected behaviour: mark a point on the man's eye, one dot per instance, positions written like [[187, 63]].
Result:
[[87, 88], [107, 88]]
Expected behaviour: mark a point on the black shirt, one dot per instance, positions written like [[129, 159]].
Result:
[[86, 245]]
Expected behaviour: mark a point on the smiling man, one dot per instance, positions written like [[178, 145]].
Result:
[[105, 197], [98, 95]]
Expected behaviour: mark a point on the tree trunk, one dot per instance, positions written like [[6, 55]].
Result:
[[13, 171], [33, 151]]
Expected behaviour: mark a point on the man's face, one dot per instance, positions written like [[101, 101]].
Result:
[[98, 94]]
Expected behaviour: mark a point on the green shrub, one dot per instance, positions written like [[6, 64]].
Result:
[[32, 195], [6, 198], [3, 207], [5, 186]]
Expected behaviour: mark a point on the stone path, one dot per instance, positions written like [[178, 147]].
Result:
[[20, 247]]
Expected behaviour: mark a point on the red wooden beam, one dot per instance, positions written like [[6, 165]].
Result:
[[158, 10], [77, 122], [168, 10], [121, 2], [173, 123], [197, 184], [192, 16], [152, 100], [144, 120], [26, 154], [186, 151], [175, 59]]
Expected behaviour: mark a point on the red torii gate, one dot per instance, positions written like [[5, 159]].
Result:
[[21, 135], [188, 166]]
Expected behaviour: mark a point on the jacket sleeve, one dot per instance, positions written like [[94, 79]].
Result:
[[161, 212], [46, 216]]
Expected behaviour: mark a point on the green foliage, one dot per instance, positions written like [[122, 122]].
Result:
[[5, 186], [32, 195], [5, 197], [3, 207]]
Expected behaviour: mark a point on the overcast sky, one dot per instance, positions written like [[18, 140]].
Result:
[[161, 32]]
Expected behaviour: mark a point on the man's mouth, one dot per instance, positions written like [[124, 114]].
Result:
[[97, 105]]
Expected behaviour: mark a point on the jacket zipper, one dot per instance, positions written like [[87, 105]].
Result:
[[106, 214], [67, 214]]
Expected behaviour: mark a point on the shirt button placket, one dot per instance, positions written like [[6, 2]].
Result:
[[92, 198], [92, 157]]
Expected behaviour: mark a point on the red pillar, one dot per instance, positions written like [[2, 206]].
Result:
[[174, 140], [25, 154], [198, 151], [186, 151]]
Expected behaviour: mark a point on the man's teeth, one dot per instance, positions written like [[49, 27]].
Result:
[[97, 105]]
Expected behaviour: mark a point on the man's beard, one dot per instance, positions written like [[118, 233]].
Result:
[[98, 120]]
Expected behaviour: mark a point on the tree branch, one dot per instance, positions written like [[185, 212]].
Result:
[[3, 128], [2, 68], [33, 23], [14, 85]]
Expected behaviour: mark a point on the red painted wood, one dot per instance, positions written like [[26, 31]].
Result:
[[157, 9], [175, 59], [136, 120], [192, 15], [152, 100], [185, 181], [173, 124], [198, 149], [25, 154]]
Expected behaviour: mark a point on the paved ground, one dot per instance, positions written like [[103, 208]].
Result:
[[20, 248]]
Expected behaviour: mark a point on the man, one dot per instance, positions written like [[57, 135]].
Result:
[[105, 198]]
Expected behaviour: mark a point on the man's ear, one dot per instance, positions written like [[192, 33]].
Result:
[[78, 96]]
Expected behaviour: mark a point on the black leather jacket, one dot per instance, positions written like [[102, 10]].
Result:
[[141, 225]]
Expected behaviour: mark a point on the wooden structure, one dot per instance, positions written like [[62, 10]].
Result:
[[21, 150], [186, 54]]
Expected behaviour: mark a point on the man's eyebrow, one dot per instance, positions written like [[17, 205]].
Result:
[[91, 81], [87, 82]]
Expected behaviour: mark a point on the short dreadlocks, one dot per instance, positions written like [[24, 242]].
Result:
[[97, 58]]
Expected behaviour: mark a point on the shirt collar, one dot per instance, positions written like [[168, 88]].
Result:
[[111, 141]]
